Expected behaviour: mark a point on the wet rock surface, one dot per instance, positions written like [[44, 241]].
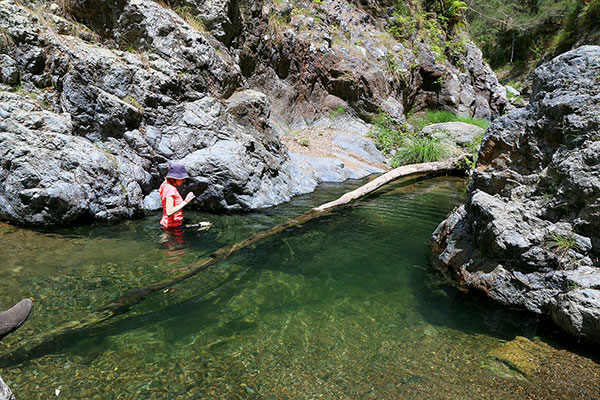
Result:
[[527, 235]]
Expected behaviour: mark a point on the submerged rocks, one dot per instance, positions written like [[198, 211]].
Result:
[[528, 233], [537, 361]]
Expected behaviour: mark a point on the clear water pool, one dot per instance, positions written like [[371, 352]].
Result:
[[343, 307]]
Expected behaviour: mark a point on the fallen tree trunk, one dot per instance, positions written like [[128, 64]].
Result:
[[400, 172], [38, 345]]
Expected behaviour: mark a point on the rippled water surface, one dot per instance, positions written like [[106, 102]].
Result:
[[346, 306]]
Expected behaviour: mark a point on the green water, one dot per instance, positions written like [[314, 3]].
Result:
[[346, 306]]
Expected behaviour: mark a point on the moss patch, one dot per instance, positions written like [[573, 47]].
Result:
[[520, 354]]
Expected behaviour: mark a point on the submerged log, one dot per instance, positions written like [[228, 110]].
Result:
[[62, 335]]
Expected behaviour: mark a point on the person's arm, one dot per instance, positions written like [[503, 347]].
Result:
[[171, 209]]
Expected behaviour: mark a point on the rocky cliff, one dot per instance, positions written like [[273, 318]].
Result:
[[98, 97], [528, 234]]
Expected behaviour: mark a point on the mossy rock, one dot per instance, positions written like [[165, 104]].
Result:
[[520, 355]]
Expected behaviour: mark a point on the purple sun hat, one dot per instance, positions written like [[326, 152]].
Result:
[[177, 171]]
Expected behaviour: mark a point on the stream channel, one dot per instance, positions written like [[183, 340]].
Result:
[[346, 306]]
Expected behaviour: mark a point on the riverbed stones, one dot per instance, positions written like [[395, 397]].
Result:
[[333, 155], [527, 235]]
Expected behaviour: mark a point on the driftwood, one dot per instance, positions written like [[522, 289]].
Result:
[[400, 172], [63, 334]]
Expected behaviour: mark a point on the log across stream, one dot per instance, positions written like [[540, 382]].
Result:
[[52, 339]]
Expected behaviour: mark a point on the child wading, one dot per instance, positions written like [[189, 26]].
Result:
[[171, 200]]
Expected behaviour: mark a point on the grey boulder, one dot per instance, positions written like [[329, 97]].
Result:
[[527, 235]]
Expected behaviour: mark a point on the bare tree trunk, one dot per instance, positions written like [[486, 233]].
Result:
[[512, 48]]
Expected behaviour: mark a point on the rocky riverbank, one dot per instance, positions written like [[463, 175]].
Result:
[[527, 235], [97, 98]]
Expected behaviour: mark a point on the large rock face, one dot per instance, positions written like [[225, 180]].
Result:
[[94, 106], [90, 130], [298, 50], [528, 235]]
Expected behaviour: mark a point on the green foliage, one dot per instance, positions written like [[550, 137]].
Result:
[[386, 133], [467, 164], [451, 13], [517, 85], [392, 67], [517, 34], [304, 142], [439, 25], [507, 30], [187, 13], [336, 112], [561, 244], [402, 25], [456, 47], [438, 116], [514, 98], [538, 50], [421, 149], [433, 33], [583, 15], [277, 25], [133, 102], [476, 144], [591, 13]]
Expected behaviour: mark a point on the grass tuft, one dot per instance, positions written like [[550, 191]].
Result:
[[336, 112], [561, 244], [438, 116], [386, 133], [421, 150]]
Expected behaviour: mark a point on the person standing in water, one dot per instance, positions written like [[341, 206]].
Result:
[[171, 200]]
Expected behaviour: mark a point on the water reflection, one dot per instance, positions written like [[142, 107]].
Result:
[[174, 243]]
